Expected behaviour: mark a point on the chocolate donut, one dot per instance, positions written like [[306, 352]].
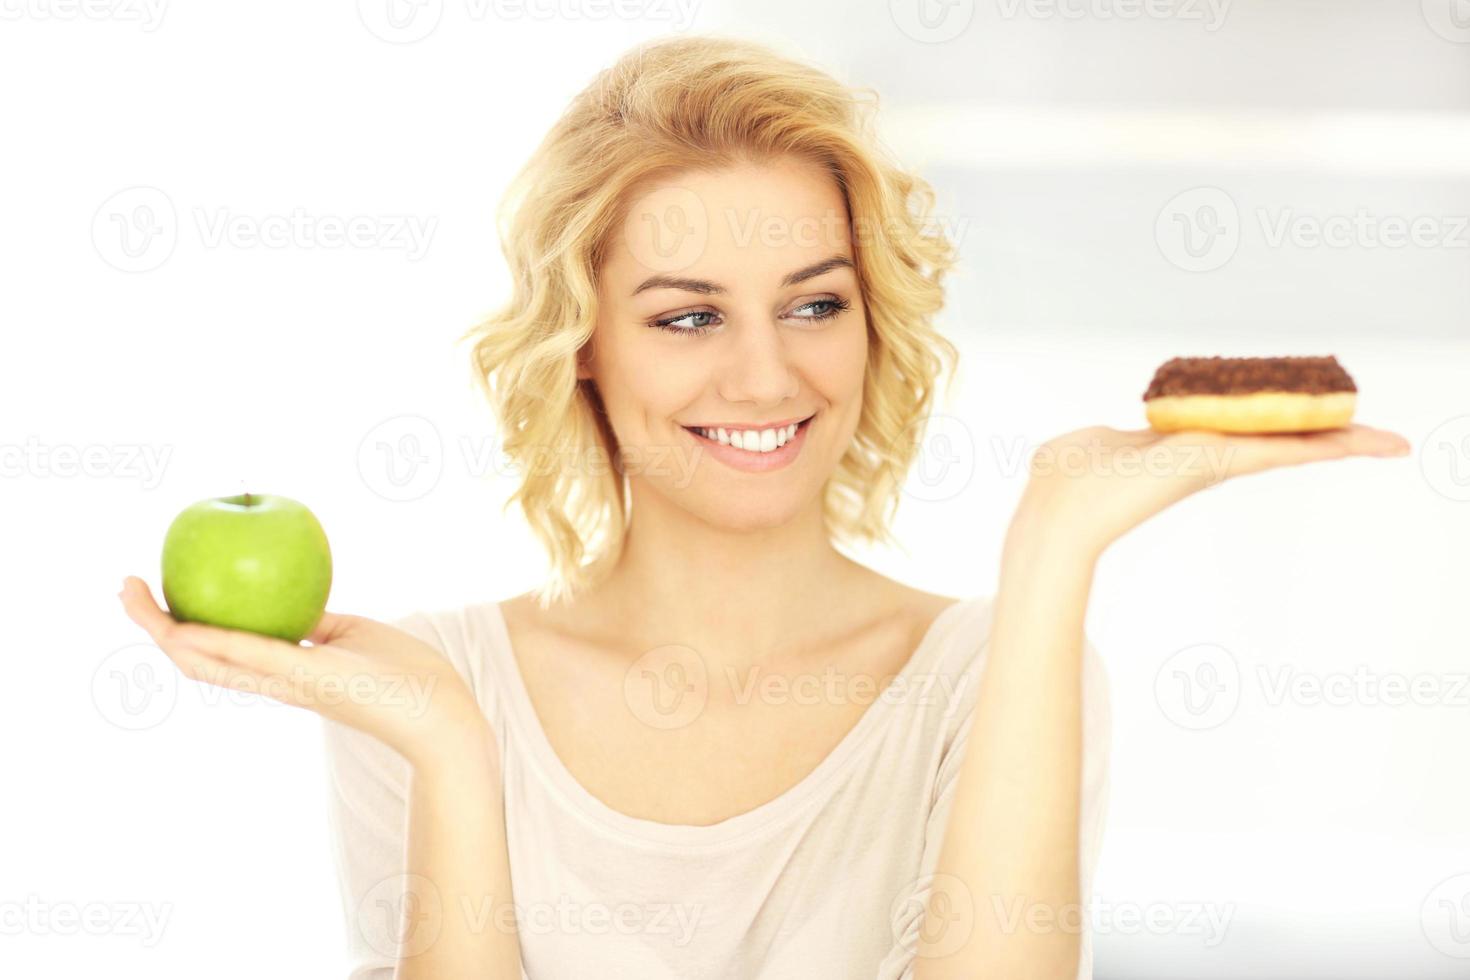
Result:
[[1250, 394]]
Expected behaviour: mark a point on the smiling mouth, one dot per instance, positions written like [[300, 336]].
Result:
[[697, 433]]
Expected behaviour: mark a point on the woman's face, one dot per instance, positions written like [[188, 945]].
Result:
[[730, 299]]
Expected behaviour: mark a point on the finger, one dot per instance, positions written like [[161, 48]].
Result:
[[1370, 441], [193, 662], [260, 655], [333, 626], [138, 603]]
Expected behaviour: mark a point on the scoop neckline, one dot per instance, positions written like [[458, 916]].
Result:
[[553, 772]]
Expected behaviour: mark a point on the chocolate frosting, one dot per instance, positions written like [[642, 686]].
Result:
[[1241, 375]]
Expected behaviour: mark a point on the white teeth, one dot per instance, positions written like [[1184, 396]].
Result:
[[751, 440]]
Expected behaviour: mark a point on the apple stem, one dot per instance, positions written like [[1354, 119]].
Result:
[[247, 498]]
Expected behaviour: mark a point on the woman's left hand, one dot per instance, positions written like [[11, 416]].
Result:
[[1093, 485]]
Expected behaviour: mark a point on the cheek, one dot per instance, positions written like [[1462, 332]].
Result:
[[649, 380], [838, 359]]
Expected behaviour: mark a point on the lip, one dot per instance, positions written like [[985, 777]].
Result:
[[752, 462], [757, 427]]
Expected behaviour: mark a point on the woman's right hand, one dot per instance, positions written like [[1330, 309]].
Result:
[[357, 671]]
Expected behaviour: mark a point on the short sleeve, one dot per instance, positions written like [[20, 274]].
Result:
[[368, 811], [908, 911]]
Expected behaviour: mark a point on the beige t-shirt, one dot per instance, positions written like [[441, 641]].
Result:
[[826, 880]]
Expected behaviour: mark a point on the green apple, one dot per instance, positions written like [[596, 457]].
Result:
[[256, 562]]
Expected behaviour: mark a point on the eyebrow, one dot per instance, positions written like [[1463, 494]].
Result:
[[710, 288]]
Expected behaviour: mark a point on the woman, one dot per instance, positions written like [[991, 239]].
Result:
[[712, 745]]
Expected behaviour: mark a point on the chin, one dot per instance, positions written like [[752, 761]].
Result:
[[744, 513]]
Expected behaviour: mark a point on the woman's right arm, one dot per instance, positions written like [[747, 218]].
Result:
[[458, 869], [424, 838]]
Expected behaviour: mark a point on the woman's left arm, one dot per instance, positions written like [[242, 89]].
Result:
[[1007, 875]]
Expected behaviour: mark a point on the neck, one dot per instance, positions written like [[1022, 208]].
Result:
[[737, 595]]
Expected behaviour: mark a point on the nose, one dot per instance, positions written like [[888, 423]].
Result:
[[758, 368]]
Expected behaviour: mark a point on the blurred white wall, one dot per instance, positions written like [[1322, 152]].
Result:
[[1068, 152]]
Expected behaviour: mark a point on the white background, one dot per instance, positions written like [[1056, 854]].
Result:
[[1059, 139]]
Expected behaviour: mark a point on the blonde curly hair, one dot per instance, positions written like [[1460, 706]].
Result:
[[715, 101]]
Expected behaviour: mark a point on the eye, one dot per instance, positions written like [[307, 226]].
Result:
[[829, 309], [667, 323], [835, 307]]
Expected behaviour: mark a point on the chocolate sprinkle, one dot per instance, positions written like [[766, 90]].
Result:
[[1241, 375]]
